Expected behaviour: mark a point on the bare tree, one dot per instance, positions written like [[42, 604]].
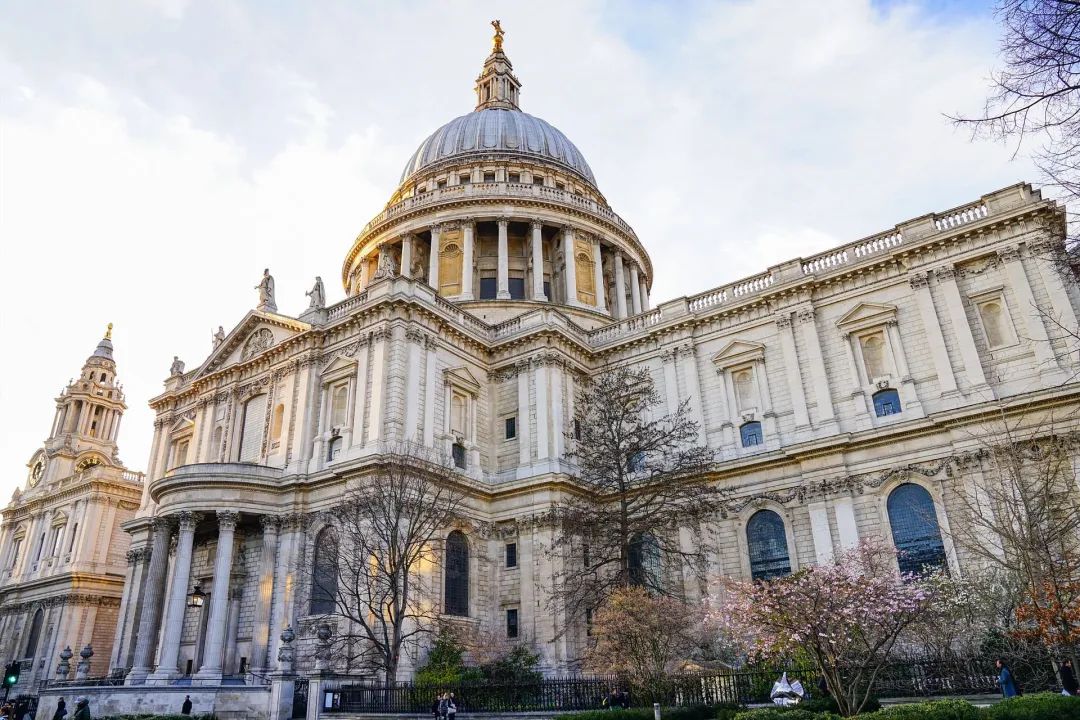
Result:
[[639, 479], [370, 571], [1021, 517]]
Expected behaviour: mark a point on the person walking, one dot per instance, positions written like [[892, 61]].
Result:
[[1068, 677], [82, 709], [443, 702], [435, 706], [1005, 680], [451, 707], [185, 709], [61, 710]]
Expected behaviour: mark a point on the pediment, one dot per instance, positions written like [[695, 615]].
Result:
[[338, 366], [254, 335], [462, 378], [737, 352], [866, 315], [181, 426]]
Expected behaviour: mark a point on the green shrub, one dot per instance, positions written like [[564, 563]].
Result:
[[1041, 706], [146, 716], [631, 714], [827, 703], [779, 713], [937, 710], [723, 711]]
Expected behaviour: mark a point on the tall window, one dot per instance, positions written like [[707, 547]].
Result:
[[750, 434], [767, 541], [488, 287], [457, 574], [512, 623], [644, 561], [35, 635], [915, 529], [339, 405], [252, 432], [324, 576], [277, 423], [886, 402]]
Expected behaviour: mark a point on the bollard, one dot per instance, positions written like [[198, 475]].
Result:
[[656, 711]]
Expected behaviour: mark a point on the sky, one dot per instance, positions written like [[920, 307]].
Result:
[[156, 155]]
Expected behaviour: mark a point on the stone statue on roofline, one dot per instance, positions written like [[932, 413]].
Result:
[[219, 336], [317, 295], [266, 293]]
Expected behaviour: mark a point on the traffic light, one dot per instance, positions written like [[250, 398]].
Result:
[[11, 674]]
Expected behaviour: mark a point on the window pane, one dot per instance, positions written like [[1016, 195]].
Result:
[[644, 561], [488, 288], [324, 576], [511, 555], [457, 574], [915, 529], [750, 433], [511, 428], [767, 541], [886, 402], [458, 452], [517, 288], [511, 623]]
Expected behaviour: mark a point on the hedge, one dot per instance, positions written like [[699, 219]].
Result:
[[936, 710], [723, 711], [1041, 706], [779, 713], [150, 716]]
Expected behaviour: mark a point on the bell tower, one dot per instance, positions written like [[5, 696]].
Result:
[[87, 420], [497, 87]]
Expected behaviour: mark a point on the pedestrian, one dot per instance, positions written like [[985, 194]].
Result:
[[451, 708], [1068, 677], [624, 699], [5, 712], [185, 709], [82, 709], [61, 710], [443, 701], [435, 707], [1005, 680], [611, 700]]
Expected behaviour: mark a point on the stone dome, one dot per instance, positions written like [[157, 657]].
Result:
[[498, 130]]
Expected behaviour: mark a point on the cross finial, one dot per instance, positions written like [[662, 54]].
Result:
[[108, 332]]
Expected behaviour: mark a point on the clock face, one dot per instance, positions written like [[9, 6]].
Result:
[[36, 473]]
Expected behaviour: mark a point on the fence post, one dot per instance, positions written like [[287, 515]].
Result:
[[315, 695], [656, 711]]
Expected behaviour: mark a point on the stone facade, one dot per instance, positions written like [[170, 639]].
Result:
[[63, 554], [495, 281]]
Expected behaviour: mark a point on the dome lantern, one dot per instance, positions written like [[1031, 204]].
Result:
[[496, 87]]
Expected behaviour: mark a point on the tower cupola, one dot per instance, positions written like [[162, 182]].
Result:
[[497, 87]]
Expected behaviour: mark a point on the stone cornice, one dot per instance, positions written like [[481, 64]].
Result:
[[76, 599]]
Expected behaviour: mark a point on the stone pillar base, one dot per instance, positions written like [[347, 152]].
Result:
[[204, 677], [282, 687], [137, 676]]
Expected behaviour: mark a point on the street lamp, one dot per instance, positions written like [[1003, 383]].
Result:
[[196, 598]]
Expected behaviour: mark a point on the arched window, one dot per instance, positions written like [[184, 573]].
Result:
[[915, 530], [35, 635], [324, 574], [767, 541], [457, 574], [252, 433], [750, 433], [886, 402], [339, 405], [644, 561]]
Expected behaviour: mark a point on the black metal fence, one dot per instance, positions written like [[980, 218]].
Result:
[[902, 679]]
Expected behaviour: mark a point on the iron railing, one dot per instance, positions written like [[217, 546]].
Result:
[[926, 678]]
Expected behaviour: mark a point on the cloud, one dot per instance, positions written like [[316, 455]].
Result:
[[157, 155]]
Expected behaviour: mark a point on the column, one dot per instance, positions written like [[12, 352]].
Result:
[[467, 228], [378, 383], [284, 582], [524, 449], [232, 629], [818, 379], [558, 428], [671, 383], [598, 275], [846, 527], [569, 265], [819, 530], [264, 591], [153, 590], [934, 337], [503, 272], [414, 341], [123, 644], [538, 261], [406, 255], [946, 279], [541, 405], [210, 672], [1021, 287], [433, 258], [360, 394], [693, 387], [169, 657], [644, 294], [620, 287], [635, 289], [791, 369], [431, 346], [858, 395], [365, 271]]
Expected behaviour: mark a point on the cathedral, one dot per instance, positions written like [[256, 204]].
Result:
[[842, 394]]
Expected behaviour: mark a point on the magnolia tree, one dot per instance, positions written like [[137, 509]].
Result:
[[848, 616]]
